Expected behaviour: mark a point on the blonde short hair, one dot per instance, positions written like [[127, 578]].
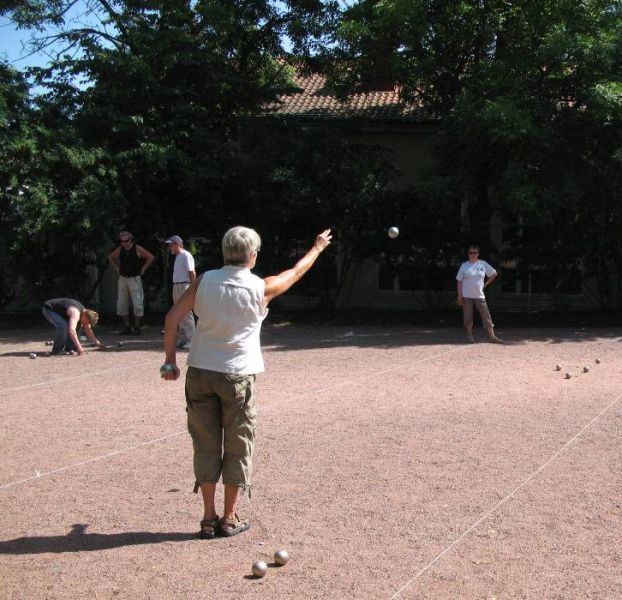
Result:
[[91, 315], [238, 244]]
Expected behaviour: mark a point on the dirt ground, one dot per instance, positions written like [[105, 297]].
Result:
[[394, 462]]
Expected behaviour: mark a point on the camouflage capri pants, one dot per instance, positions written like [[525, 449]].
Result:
[[221, 421]]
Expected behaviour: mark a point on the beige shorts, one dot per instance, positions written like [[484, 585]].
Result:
[[221, 421], [482, 309], [130, 288], [187, 323]]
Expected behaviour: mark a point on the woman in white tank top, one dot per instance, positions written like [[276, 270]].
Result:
[[231, 304]]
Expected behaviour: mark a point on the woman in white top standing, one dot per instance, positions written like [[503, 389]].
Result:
[[225, 356], [473, 277]]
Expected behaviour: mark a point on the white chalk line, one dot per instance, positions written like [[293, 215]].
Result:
[[81, 376], [39, 475], [501, 502], [141, 445]]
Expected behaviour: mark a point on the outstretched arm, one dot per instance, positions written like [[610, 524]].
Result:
[[279, 284], [88, 330]]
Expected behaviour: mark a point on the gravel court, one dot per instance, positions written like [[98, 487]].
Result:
[[364, 478], [46, 427]]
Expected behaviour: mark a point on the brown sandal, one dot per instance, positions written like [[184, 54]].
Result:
[[208, 528], [231, 527]]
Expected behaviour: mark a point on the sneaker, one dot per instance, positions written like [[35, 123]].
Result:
[[184, 345], [470, 339], [495, 340]]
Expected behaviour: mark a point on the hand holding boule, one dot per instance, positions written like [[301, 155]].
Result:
[[169, 372]]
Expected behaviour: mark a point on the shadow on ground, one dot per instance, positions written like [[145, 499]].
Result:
[[286, 335], [77, 540], [294, 337], [291, 330], [156, 347]]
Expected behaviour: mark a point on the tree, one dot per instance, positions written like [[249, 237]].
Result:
[[295, 179], [141, 120], [16, 151], [530, 96], [53, 221]]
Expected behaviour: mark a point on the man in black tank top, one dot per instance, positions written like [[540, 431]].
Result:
[[130, 261], [65, 314]]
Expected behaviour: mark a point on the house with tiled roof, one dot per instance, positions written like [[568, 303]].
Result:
[[377, 116], [314, 101]]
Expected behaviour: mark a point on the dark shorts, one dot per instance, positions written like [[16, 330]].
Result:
[[222, 421]]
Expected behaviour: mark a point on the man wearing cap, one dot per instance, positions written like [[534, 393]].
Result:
[[183, 275]]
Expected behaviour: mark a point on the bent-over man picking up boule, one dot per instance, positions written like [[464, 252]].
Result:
[[65, 314]]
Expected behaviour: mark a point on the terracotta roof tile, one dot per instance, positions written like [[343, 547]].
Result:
[[315, 102]]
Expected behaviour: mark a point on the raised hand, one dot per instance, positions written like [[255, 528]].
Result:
[[322, 241]]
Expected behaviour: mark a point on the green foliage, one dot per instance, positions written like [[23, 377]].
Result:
[[529, 95], [289, 182], [17, 150], [141, 125], [148, 122]]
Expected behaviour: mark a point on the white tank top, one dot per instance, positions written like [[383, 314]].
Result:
[[229, 305]]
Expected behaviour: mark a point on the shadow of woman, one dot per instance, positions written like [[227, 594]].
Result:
[[77, 540]]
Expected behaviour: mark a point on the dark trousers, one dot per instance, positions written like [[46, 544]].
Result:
[[62, 341]]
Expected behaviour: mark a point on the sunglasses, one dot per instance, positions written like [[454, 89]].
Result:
[[472, 252], [125, 241]]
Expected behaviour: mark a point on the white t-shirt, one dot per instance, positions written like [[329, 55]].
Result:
[[230, 306], [184, 262], [472, 277]]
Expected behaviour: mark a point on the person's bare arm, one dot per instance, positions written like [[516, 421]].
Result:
[[74, 317], [279, 284], [113, 258], [192, 276], [146, 256], [173, 317], [88, 330], [490, 280], [459, 299]]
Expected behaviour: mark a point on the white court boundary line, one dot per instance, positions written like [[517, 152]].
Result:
[[501, 502], [166, 437], [90, 460], [53, 381]]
